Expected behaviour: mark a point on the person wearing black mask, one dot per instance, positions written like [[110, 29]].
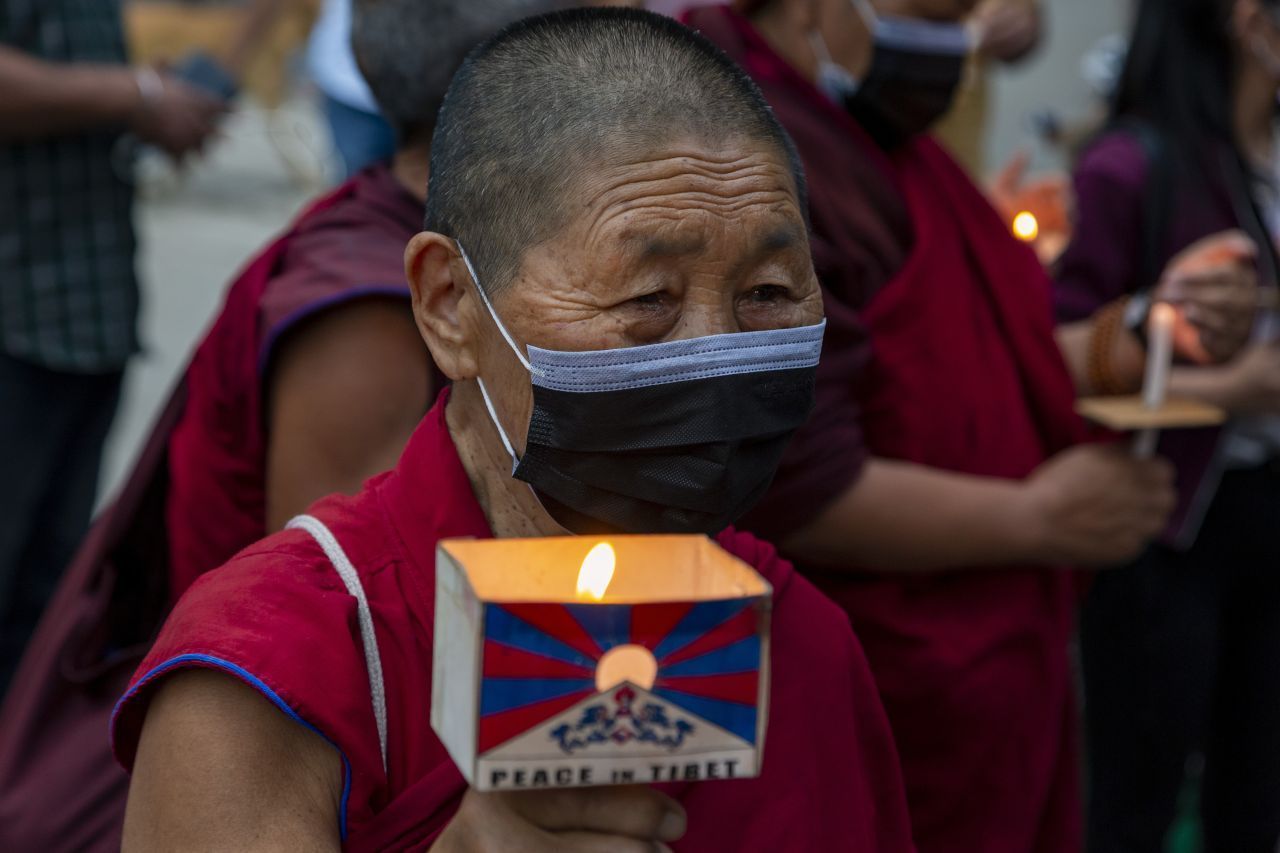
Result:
[[939, 492], [623, 298]]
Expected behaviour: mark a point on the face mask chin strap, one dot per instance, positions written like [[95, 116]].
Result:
[[497, 424], [515, 460], [484, 392], [497, 321]]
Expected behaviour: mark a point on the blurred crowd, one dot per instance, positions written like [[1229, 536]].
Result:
[[1020, 514]]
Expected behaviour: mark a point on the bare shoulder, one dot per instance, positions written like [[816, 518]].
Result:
[[219, 767], [355, 334], [356, 373], [347, 389]]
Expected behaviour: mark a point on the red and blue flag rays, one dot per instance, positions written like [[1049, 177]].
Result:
[[540, 660], [709, 664], [536, 664]]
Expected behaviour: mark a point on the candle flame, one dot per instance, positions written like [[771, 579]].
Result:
[[596, 572], [1163, 315], [1026, 227]]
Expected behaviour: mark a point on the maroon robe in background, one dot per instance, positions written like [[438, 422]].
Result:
[[278, 618], [350, 246], [964, 375], [195, 496]]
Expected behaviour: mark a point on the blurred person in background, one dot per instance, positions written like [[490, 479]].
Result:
[[1006, 32], [1181, 649], [361, 134], [311, 380], [68, 287], [937, 493], [651, 215]]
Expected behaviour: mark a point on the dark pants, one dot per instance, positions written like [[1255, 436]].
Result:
[[52, 428], [1181, 654]]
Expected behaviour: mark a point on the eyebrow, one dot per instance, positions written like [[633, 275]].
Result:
[[780, 238], [663, 247]]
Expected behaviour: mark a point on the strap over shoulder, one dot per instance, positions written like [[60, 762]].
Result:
[[351, 579]]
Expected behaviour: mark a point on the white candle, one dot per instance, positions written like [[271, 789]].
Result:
[[1155, 383]]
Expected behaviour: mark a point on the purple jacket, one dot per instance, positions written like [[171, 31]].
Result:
[[1103, 263]]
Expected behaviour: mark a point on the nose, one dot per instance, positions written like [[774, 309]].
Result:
[[703, 316]]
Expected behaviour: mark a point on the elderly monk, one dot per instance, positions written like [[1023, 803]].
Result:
[[936, 493], [311, 380], [617, 280]]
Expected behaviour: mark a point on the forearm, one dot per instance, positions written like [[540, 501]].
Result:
[[902, 517], [40, 98], [1210, 385], [1075, 340]]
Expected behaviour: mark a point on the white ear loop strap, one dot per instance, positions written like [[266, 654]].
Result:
[[484, 392], [819, 47], [497, 321], [493, 416]]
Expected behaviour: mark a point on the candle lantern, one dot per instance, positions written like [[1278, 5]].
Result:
[[570, 661], [1153, 410]]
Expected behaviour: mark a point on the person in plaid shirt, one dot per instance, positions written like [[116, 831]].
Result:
[[68, 290]]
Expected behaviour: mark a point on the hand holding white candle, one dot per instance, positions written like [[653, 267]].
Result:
[[1155, 384]]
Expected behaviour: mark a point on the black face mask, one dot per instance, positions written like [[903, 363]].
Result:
[[916, 68], [676, 437]]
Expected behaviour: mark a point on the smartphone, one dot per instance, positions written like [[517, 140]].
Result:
[[203, 71]]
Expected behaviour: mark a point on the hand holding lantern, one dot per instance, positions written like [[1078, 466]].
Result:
[[616, 818]]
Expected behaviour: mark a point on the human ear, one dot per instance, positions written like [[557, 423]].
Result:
[[440, 287]]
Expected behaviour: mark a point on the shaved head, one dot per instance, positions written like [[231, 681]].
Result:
[[552, 99], [408, 50]]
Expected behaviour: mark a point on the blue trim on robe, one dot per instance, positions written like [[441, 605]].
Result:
[[257, 684]]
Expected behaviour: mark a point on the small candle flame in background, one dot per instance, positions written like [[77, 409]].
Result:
[[596, 572], [1026, 227]]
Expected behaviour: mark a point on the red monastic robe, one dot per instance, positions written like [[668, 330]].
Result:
[[279, 618], [963, 375]]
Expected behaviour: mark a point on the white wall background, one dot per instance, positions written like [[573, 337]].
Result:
[[1051, 79]]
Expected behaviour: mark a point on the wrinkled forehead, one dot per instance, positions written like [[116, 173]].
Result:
[[681, 211], [674, 198]]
